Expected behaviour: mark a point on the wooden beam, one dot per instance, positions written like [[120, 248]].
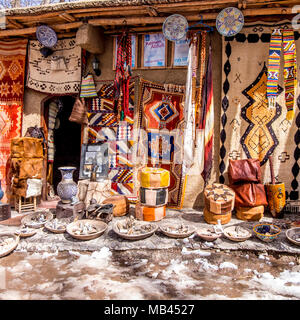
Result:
[[206, 16], [15, 24], [111, 13], [67, 26], [68, 17], [152, 11], [31, 30], [17, 32]]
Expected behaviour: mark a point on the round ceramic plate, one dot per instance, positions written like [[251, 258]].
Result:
[[12, 246], [229, 22], [191, 230], [175, 27], [46, 36], [135, 236], [29, 232], [230, 231], [47, 226], [27, 220], [203, 234], [293, 232], [101, 227]]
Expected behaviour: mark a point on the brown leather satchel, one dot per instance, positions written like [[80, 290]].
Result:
[[246, 170], [79, 112], [249, 195]]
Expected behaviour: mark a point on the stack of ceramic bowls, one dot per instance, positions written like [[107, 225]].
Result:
[[218, 203], [153, 194]]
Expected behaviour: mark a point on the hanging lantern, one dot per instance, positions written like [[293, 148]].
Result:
[[95, 65]]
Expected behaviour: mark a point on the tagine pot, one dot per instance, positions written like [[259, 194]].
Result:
[[67, 188]]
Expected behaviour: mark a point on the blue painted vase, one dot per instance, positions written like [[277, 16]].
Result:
[[1, 192], [67, 188]]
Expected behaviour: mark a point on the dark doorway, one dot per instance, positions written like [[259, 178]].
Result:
[[67, 141]]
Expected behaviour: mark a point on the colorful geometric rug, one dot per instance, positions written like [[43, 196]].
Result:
[[104, 127], [249, 129], [161, 119], [42, 74], [12, 68]]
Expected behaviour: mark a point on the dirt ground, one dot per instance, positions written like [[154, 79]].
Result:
[[179, 273]]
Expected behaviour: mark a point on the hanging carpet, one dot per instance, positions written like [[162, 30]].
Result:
[[249, 128], [43, 77], [161, 119], [12, 69], [105, 127]]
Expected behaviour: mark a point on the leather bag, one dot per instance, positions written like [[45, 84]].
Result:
[[249, 195], [79, 113], [246, 170]]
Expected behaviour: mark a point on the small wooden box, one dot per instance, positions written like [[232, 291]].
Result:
[[66, 210], [5, 211]]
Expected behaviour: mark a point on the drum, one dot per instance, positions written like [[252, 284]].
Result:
[[153, 197], [213, 218], [154, 178], [219, 198], [146, 213]]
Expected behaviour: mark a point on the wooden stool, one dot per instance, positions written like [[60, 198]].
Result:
[[23, 204], [66, 210]]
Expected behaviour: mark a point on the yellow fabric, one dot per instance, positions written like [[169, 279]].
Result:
[[154, 178], [276, 197]]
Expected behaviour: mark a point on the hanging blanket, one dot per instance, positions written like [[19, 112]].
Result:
[[249, 129], [42, 77], [104, 127], [12, 68], [161, 120]]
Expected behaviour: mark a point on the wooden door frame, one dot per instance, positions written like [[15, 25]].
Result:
[[44, 125]]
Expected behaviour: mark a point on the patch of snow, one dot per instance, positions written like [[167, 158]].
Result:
[[141, 263], [278, 285], [198, 252], [208, 244], [228, 265], [205, 264]]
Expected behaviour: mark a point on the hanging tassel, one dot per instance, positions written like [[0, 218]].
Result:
[[271, 102]]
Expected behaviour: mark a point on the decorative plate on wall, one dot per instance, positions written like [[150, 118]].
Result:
[[46, 36], [229, 21], [175, 27]]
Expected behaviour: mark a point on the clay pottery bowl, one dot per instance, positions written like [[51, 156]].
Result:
[[60, 230], [259, 230], [11, 247], [25, 234], [135, 236], [232, 233], [293, 233], [204, 234], [28, 222], [49, 226], [99, 225], [174, 234]]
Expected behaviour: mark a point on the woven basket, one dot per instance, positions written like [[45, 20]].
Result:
[[213, 218]]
